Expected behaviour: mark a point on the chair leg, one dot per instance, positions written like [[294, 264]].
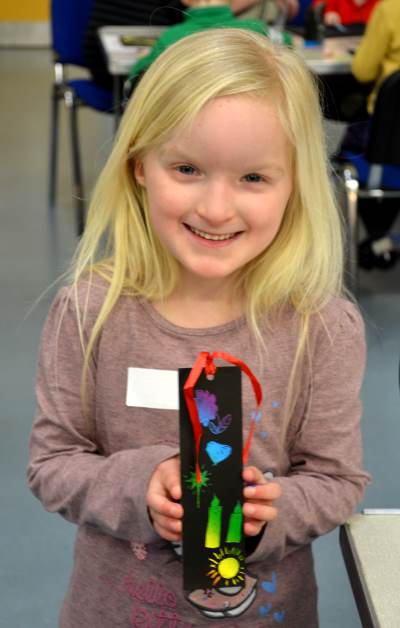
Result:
[[76, 163], [53, 147], [351, 193]]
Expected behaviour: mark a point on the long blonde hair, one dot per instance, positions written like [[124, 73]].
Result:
[[302, 266]]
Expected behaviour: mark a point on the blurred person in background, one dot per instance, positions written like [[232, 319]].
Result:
[[376, 58], [202, 15], [347, 11], [145, 13]]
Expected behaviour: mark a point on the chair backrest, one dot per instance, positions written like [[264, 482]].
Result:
[[69, 21], [299, 19], [384, 139]]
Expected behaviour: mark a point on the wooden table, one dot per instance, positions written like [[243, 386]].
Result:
[[121, 57], [333, 56], [370, 545]]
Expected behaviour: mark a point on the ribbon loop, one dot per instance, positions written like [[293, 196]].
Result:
[[210, 367]]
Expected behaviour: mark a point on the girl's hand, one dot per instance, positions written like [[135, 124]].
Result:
[[162, 494], [331, 18], [257, 508]]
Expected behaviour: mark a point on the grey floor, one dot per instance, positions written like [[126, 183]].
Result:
[[36, 547]]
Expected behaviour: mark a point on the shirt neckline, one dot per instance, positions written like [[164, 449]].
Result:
[[166, 325]]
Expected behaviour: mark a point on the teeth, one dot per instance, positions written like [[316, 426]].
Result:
[[209, 236]]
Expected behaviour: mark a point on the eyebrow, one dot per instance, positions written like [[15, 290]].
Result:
[[174, 152], [181, 155]]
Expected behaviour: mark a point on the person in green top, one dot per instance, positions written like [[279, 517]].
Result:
[[202, 15]]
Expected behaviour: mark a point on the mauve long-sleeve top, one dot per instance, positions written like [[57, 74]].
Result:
[[94, 469]]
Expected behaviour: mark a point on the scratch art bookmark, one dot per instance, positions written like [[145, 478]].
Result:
[[212, 458]]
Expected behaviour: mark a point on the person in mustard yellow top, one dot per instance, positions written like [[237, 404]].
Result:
[[379, 52], [377, 56]]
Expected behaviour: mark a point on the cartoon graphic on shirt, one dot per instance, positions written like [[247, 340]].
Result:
[[139, 550], [230, 601]]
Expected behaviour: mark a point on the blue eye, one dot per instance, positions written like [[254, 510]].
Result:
[[253, 178], [186, 169]]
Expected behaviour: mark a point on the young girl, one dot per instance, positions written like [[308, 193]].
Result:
[[212, 227]]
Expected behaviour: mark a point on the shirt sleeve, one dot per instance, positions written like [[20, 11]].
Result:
[[325, 479], [367, 62], [67, 470]]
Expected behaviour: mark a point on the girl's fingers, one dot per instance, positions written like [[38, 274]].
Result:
[[170, 479], [259, 495], [264, 491], [259, 512], [170, 525], [252, 528], [163, 492], [163, 506], [167, 527], [166, 533], [252, 475]]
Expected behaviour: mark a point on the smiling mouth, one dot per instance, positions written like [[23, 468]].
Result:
[[211, 236]]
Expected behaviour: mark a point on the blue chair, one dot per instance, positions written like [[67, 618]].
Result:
[[69, 20], [375, 174], [299, 19]]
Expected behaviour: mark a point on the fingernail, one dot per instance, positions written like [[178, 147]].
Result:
[[249, 509], [249, 491]]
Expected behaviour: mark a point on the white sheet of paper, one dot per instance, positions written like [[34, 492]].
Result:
[[152, 388]]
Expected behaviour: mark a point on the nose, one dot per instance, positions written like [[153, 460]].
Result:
[[216, 205]]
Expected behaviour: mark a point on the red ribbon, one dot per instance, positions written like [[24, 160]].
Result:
[[205, 361]]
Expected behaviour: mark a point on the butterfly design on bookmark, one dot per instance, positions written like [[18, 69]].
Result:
[[207, 408]]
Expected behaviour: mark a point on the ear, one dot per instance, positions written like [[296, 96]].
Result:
[[138, 171]]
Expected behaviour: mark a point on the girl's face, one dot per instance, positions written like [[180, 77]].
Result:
[[217, 190]]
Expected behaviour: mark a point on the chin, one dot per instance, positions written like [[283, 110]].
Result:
[[213, 274]]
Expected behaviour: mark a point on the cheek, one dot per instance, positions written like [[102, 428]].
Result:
[[269, 213], [164, 209], [166, 202]]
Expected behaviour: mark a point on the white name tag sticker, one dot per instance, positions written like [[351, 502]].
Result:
[[152, 388]]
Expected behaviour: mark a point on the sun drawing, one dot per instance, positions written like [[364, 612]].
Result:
[[227, 567]]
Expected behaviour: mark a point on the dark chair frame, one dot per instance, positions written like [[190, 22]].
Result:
[[61, 91], [70, 41]]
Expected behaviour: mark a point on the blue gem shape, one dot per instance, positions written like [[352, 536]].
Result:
[[270, 585], [256, 416], [276, 404], [263, 435], [217, 451], [264, 610], [279, 616]]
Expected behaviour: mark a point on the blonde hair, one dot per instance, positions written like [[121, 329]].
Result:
[[302, 266]]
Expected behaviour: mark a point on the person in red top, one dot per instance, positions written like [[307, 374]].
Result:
[[347, 11]]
